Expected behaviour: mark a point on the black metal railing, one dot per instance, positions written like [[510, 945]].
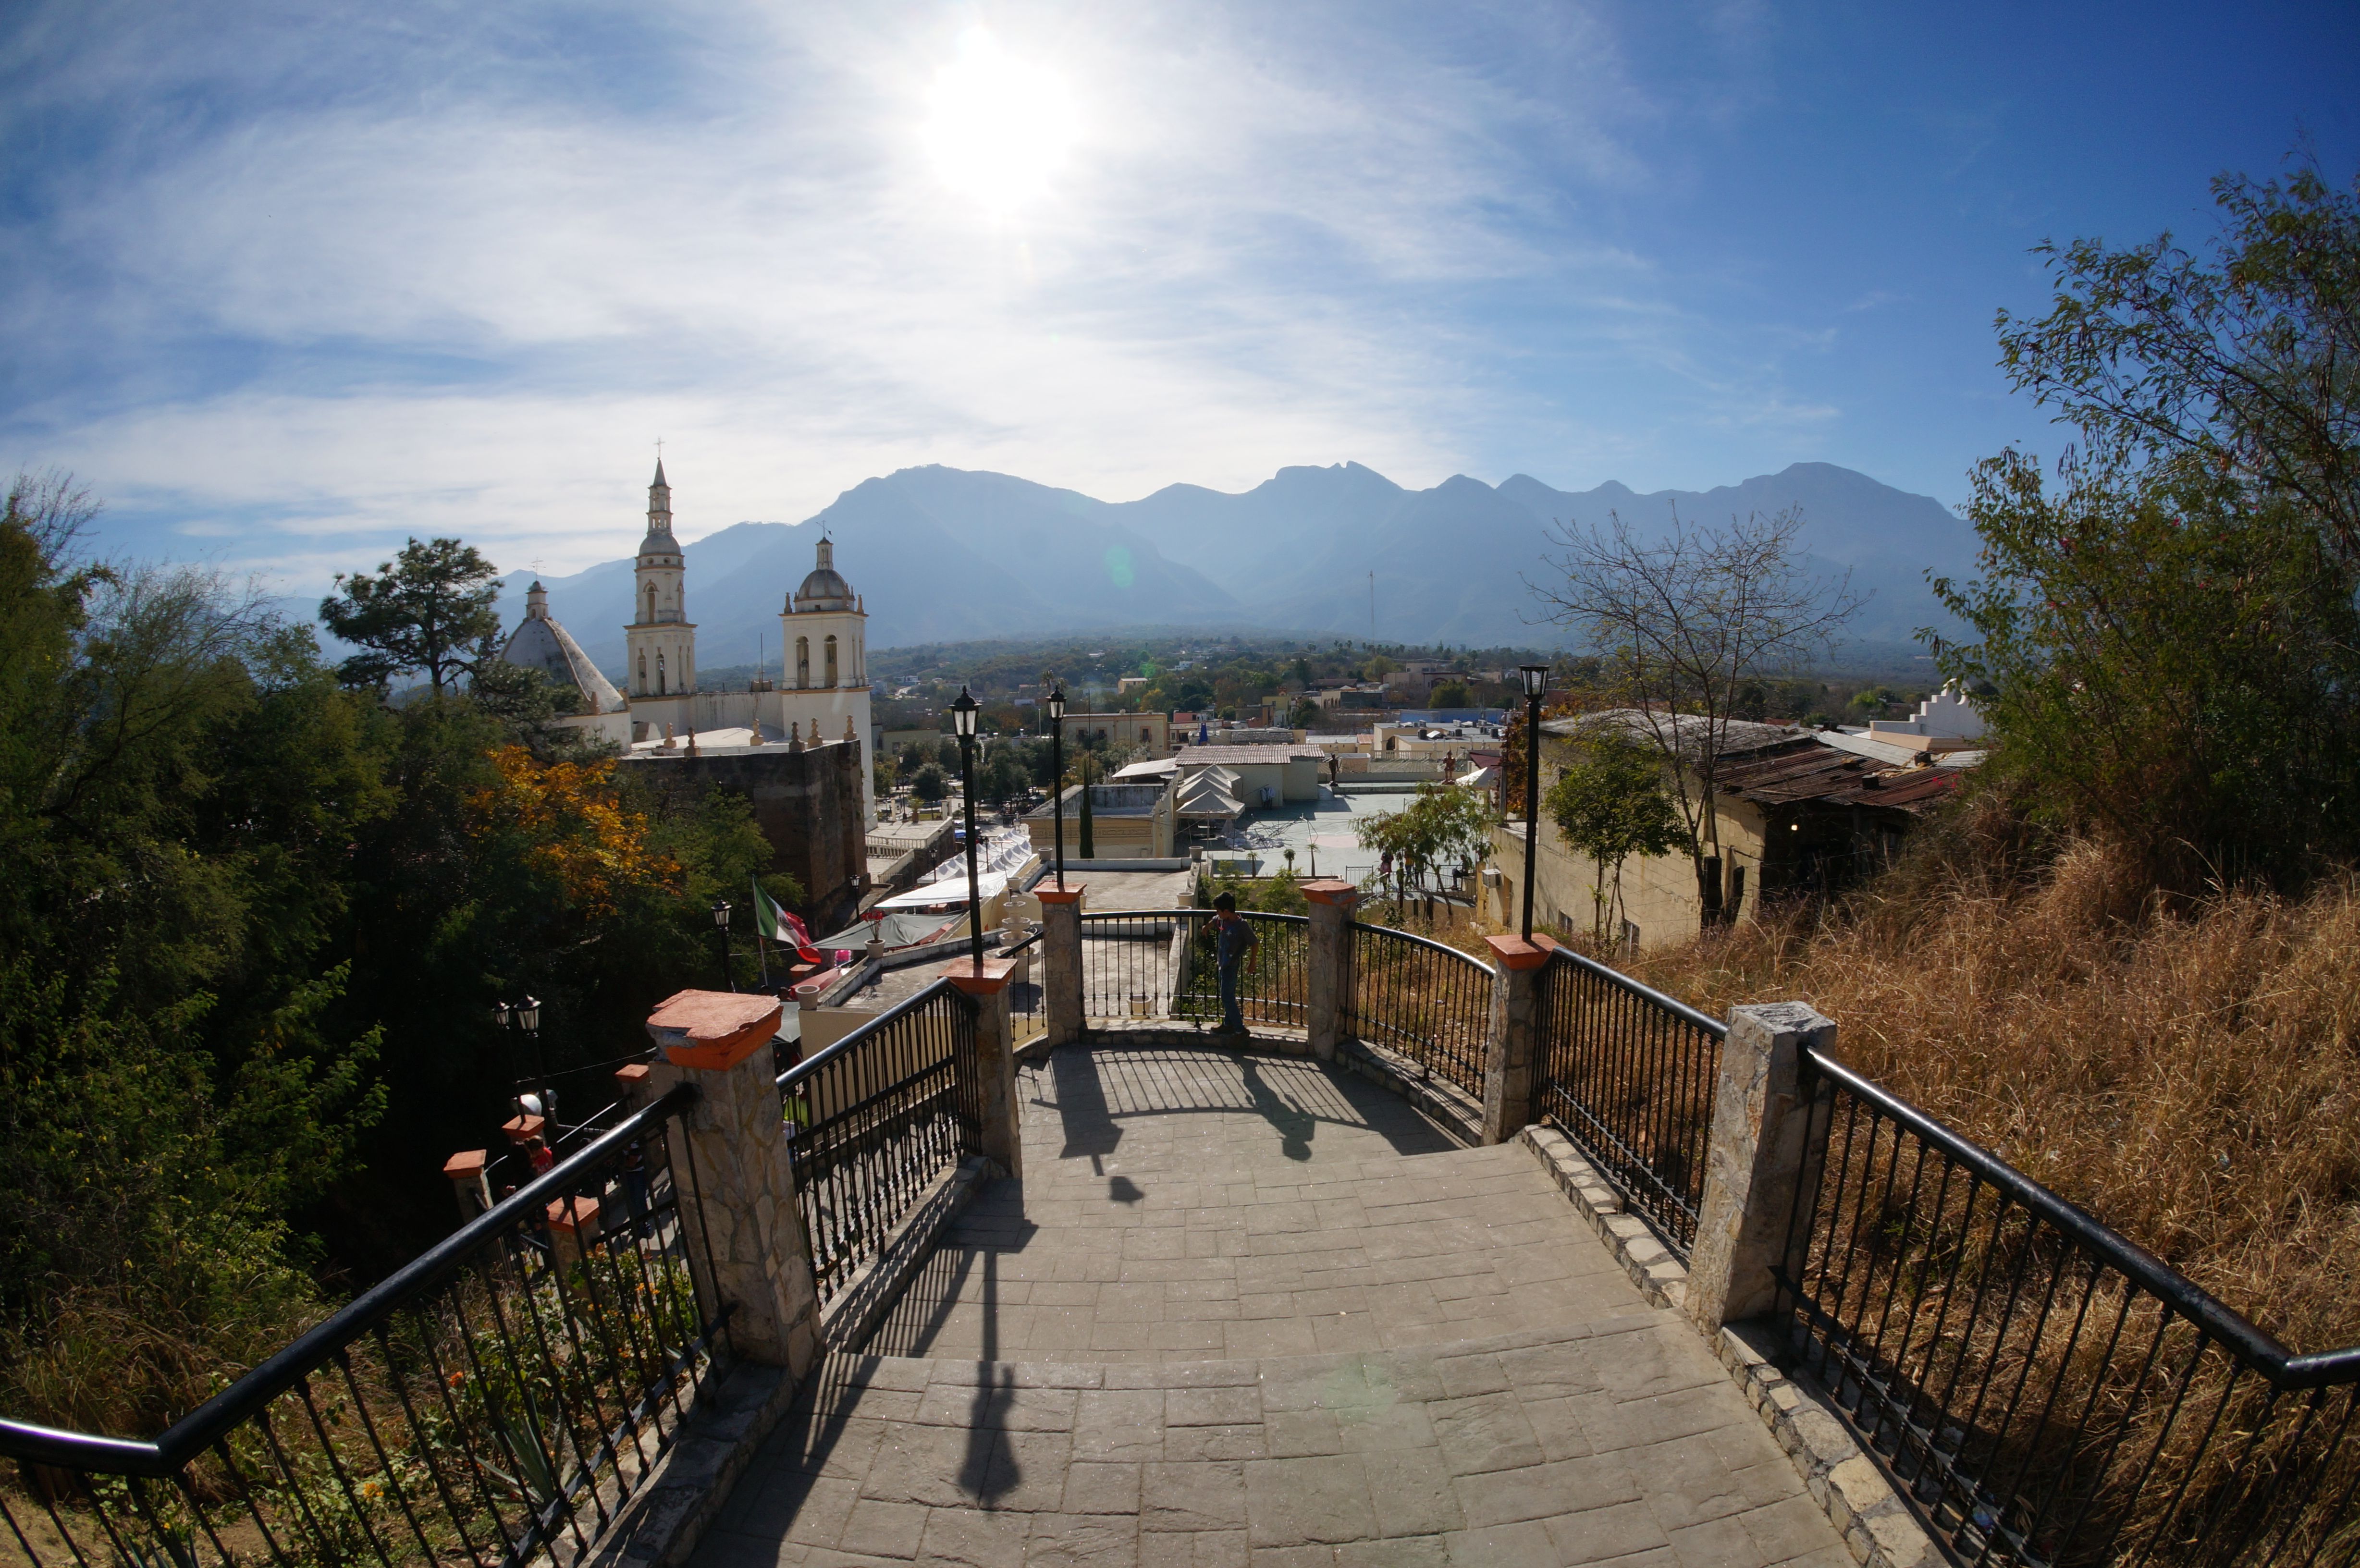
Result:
[[1424, 999], [1162, 964], [2038, 1388], [874, 1118], [493, 1401], [1028, 1015], [1628, 1075]]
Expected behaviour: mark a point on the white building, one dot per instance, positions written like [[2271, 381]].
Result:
[[821, 698]]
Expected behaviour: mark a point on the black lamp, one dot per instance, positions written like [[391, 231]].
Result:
[[964, 709], [721, 929], [1535, 682], [1057, 775]]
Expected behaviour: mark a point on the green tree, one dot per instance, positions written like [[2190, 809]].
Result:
[[428, 610], [2166, 620], [1442, 827], [929, 785], [1450, 695], [1305, 715], [1003, 776], [1610, 805]]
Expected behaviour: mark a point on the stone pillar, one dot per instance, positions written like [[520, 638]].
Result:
[[465, 1170], [1757, 1155], [744, 1238], [1514, 1049], [1332, 902], [995, 1062], [572, 1226], [634, 1087], [1061, 962]]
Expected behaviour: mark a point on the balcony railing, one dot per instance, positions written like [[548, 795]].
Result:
[[1424, 1000], [1161, 964], [875, 1119], [1628, 1075], [493, 1401], [2043, 1391]]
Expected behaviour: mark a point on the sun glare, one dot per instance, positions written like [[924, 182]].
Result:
[[998, 128]]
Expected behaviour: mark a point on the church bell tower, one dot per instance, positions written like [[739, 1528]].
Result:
[[660, 642]]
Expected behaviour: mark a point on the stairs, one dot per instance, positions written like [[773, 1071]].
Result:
[[1247, 1309]]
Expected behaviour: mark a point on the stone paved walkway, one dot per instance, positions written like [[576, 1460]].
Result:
[[1248, 1310]]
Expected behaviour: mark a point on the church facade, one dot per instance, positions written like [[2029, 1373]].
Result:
[[821, 698]]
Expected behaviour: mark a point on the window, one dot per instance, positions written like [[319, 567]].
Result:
[[660, 674], [803, 661], [643, 670], [830, 647], [651, 601]]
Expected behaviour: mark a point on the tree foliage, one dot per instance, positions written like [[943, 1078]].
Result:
[[428, 610], [1611, 804], [252, 925], [1445, 826], [2167, 617]]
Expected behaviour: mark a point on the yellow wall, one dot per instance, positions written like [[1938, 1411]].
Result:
[[1659, 895]]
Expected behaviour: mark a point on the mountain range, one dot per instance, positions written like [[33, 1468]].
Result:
[[947, 554]]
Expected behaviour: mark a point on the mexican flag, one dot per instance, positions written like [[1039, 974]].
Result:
[[779, 926]]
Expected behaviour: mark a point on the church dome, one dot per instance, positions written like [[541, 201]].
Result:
[[540, 643], [824, 589]]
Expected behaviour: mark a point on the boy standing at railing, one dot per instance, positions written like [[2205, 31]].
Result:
[[1234, 938]]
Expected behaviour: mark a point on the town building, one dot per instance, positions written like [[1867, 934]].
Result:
[[1798, 812], [1129, 820], [822, 697], [1149, 731]]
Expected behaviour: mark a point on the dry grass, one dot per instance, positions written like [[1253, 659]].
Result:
[[2190, 1072]]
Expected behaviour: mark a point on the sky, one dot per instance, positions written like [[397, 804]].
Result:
[[283, 284]]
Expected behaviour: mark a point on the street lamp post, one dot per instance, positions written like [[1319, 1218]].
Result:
[[963, 712], [525, 1017], [1057, 775], [721, 929], [1535, 682]]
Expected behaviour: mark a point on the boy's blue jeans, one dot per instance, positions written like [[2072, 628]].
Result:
[[1233, 1019]]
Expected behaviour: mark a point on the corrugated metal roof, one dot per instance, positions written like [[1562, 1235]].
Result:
[[1826, 775]]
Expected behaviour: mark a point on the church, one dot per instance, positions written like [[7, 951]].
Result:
[[821, 698]]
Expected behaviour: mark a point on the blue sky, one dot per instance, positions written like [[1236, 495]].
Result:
[[286, 283]]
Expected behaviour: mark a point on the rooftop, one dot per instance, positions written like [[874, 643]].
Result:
[[1256, 756], [1108, 801]]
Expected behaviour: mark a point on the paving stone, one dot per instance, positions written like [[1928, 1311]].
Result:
[[1294, 1501], [1195, 1495], [1614, 1531], [1065, 1541], [1094, 1487], [1194, 1348]]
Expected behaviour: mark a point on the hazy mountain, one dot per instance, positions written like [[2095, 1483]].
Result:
[[944, 553]]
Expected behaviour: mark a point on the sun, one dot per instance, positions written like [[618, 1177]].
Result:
[[998, 128]]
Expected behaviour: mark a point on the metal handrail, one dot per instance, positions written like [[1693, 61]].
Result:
[[862, 1036], [2250, 1342], [190, 1436], [1714, 1027], [1396, 932], [1190, 913]]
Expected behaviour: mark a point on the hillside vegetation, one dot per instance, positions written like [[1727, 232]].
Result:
[[2189, 1071]]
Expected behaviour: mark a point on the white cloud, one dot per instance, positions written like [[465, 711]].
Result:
[[470, 277]]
